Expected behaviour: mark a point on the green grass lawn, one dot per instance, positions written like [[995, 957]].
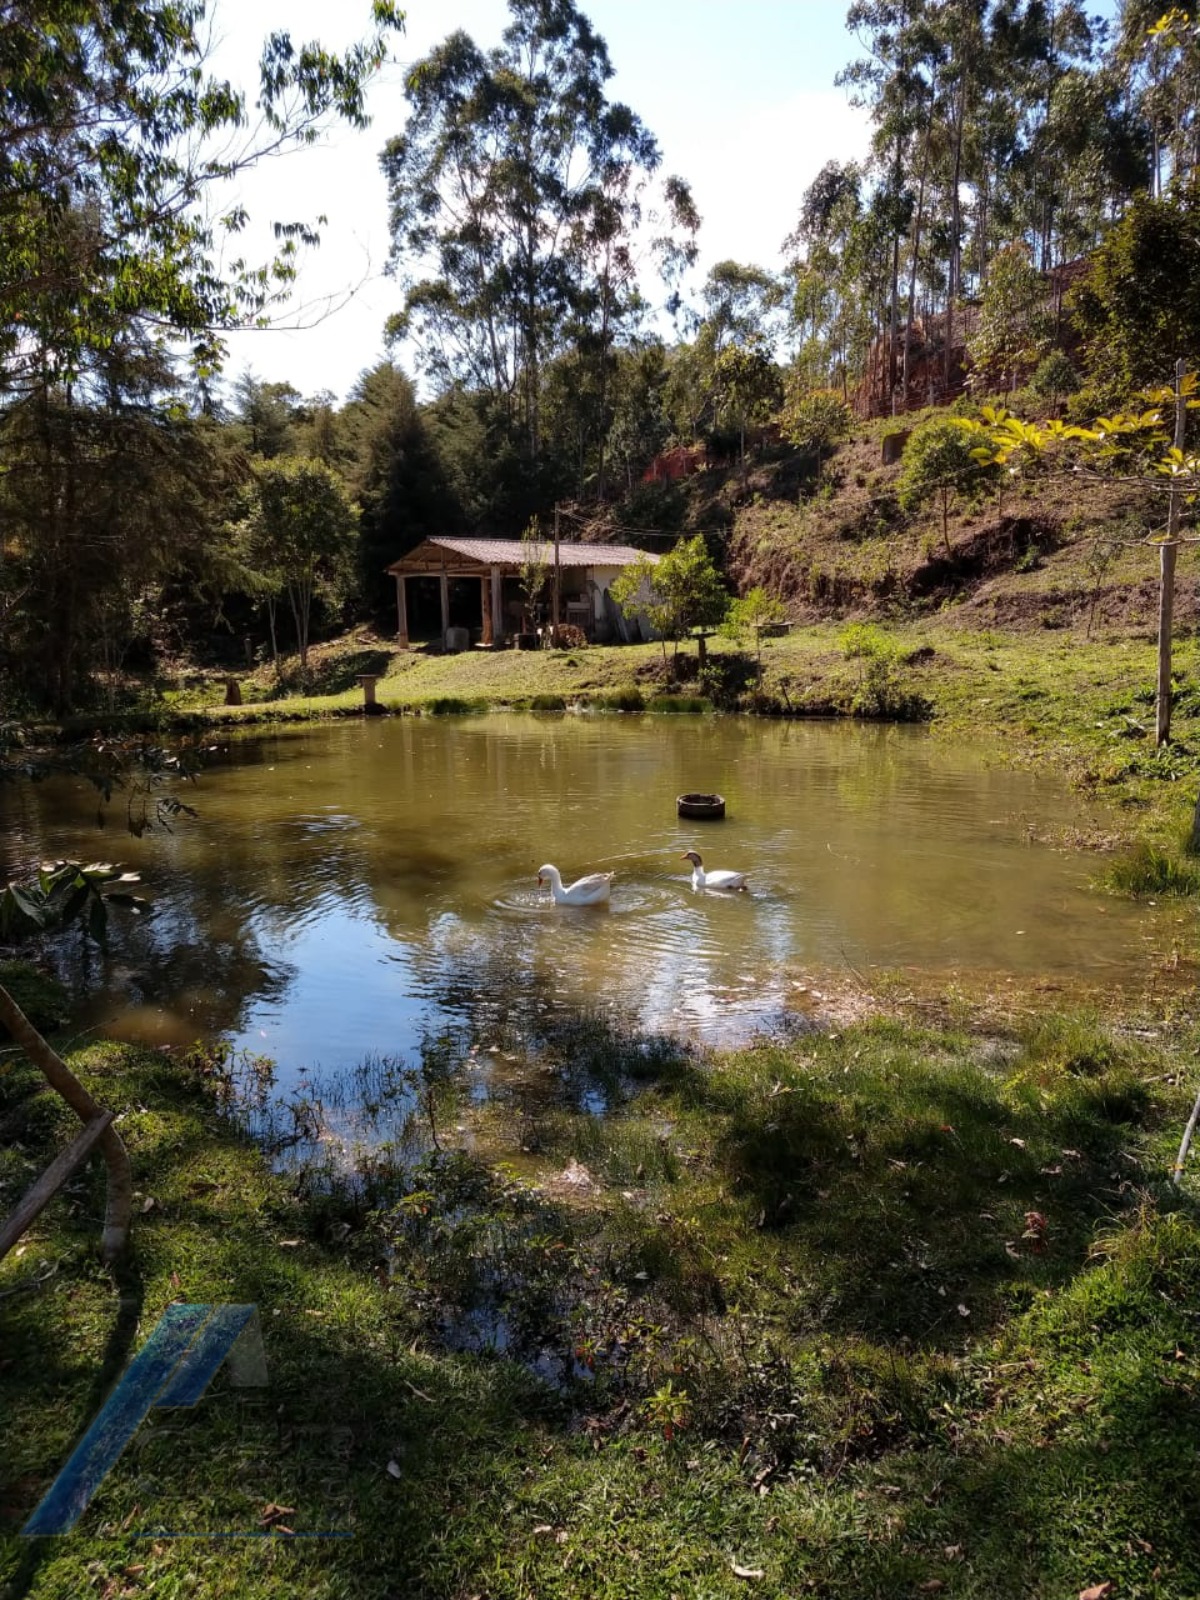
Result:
[[892, 1311]]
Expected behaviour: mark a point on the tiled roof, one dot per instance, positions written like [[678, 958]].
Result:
[[512, 552]]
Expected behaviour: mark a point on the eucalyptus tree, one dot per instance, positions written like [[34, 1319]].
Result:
[[830, 309], [1156, 49], [517, 190], [727, 376], [898, 41]]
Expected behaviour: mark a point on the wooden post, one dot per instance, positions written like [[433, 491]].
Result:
[[557, 584], [367, 682], [497, 606], [118, 1211], [485, 608], [51, 1181], [1168, 557], [401, 613], [445, 607]]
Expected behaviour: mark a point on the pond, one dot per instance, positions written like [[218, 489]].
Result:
[[351, 889]]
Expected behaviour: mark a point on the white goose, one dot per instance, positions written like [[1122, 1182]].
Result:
[[712, 880], [589, 891]]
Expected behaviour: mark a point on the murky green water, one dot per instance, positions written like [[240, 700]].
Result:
[[349, 889]]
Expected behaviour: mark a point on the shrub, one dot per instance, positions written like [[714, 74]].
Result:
[[622, 700], [547, 702], [1055, 376], [864, 639], [453, 706], [678, 703], [881, 693]]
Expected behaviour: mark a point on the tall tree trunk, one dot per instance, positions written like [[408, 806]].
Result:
[[894, 312], [918, 221], [955, 233]]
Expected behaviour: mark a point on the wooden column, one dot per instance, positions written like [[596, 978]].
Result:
[[445, 606], [401, 613], [497, 606], [557, 584], [485, 611]]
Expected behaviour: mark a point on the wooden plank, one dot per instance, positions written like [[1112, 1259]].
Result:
[[55, 1175]]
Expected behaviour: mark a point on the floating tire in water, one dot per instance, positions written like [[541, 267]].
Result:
[[701, 806]]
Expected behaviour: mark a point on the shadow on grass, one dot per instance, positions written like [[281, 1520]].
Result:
[[921, 1193], [766, 1236], [330, 675]]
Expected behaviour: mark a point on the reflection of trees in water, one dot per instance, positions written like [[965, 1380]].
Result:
[[527, 1040], [220, 896]]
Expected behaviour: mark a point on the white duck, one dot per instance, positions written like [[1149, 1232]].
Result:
[[712, 880], [589, 891]]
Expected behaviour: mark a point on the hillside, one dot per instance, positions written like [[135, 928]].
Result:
[[1050, 554]]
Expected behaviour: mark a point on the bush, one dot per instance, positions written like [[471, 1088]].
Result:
[[547, 702], [881, 693], [864, 639], [1055, 376], [678, 703], [622, 700], [453, 706]]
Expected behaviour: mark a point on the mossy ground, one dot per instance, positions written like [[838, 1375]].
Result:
[[891, 1311]]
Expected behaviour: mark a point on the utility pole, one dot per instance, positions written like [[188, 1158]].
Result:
[[1168, 556], [557, 583]]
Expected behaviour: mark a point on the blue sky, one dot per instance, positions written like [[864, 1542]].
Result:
[[739, 93], [740, 97]]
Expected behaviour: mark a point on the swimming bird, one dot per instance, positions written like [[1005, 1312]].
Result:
[[589, 891], [712, 880]]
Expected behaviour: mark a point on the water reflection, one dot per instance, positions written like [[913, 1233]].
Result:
[[349, 889]]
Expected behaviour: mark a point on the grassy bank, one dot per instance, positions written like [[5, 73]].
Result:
[[892, 1311]]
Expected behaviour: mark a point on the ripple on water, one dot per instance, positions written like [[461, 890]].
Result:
[[325, 821], [626, 898]]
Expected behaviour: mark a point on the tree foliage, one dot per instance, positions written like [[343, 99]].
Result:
[[680, 593], [940, 464], [518, 194], [1015, 325], [1139, 307], [111, 132], [298, 536]]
